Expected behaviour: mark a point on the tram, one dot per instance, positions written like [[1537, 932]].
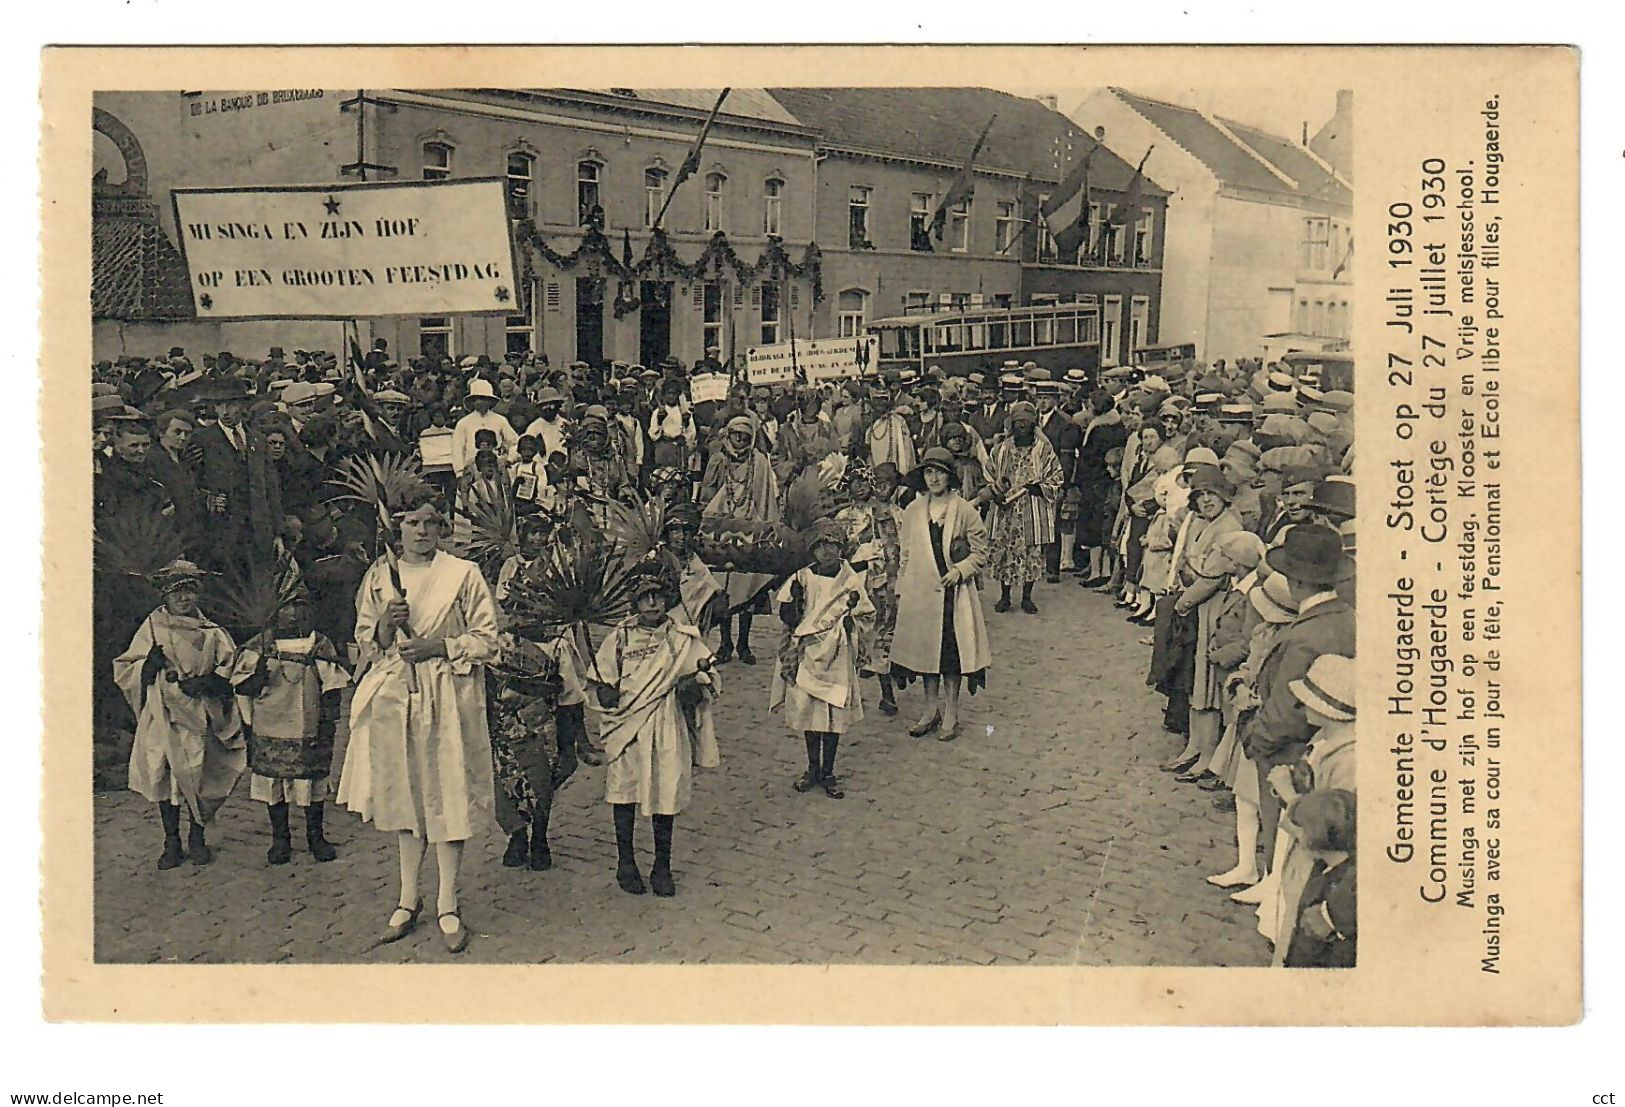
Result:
[[966, 340]]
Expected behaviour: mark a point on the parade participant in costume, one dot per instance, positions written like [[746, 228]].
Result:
[[534, 532], [418, 762], [739, 484], [655, 689], [871, 525], [627, 430], [600, 474], [700, 593], [816, 679], [886, 436], [940, 633], [805, 439], [1025, 480], [288, 694], [536, 703], [672, 431], [550, 427], [188, 749]]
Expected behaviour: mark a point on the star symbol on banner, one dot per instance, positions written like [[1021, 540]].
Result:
[[503, 294], [331, 205], [205, 301]]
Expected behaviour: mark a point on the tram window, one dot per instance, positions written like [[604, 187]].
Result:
[[890, 342], [1043, 331], [975, 336], [998, 335], [1066, 330], [948, 338], [1021, 333], [1089, 329]]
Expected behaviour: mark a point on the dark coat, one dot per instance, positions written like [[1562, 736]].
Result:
[[1278, 732], [1337, 889], [179, 480], [253, 514]]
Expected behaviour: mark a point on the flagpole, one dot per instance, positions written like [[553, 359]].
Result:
[[693, 154]]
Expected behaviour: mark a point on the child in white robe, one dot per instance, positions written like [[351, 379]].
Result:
[[816, 679]]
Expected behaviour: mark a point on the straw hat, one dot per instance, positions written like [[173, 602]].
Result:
[[1273, 600], [1328, 687]]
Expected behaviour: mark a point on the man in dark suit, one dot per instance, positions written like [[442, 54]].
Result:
[[172, 465], [986, 416], [1311, 559], [241, 492]]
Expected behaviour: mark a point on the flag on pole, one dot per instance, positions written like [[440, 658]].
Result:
[[1348, 259], [963, 188], [691, 161], [1127, 211], [1066, 212]]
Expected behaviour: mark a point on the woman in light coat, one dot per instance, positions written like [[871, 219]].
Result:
[[940, 635]]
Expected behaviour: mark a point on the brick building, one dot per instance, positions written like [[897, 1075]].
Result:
[[855, 171], [885, 156]]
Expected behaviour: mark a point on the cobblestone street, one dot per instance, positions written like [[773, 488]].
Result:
[[1045, 835]]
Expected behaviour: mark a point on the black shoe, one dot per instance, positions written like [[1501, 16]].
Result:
[[725, 653], [1224, 801], [832, 787], [172, 855], [280, 853], [888, 707], [1003, 605], [518, 849], [1210, 783], [661, 882], [541, 857], [321, 849], [745, 656], [1028, 606], [1052, 578], [1190, 776], [589, 757], [1178, 766], [807, 781], [1146, 620], [630, 880], [196, 847]]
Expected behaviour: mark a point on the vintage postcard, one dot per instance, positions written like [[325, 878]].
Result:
[[832, 534]]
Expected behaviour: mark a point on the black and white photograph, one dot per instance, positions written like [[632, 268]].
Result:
[[807, 526]]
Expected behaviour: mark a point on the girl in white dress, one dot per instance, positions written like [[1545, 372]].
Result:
[[419, 758]]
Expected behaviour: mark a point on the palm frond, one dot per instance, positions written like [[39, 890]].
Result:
[[808, 500], [573, 585], [491, 537], [638, 528], [249, 600], [386, 481], [136, 544]]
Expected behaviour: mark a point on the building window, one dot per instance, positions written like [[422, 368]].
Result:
[[857, 215], [711, 314], [713, 201], [851, 309], [916, 301], [654, 195], [1088, 251], [772, 312], [1142, 239], [773, 207], [959, 227], [587, 196], [1111, 322], [919, 222], [1316, 242], [521, 168], [434, 337], [1139, 323], [519, 333], [1004, 225], [1046, 241], [436, 161], [1000, 300]]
